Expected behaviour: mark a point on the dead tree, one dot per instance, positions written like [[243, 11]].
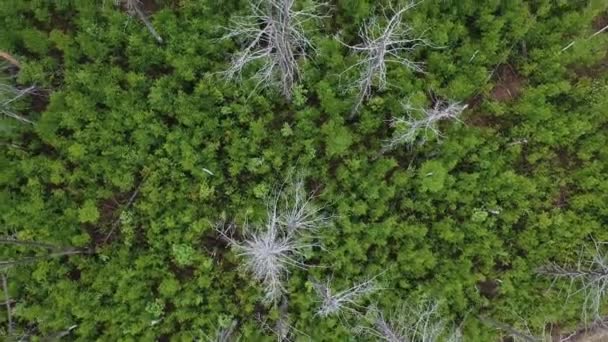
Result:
[[419, 322], [272, 36], [298, 211], [588, 277], [380, 46], [335, 303], [133, 8], [421, 122], [268, 254], [269, 251]]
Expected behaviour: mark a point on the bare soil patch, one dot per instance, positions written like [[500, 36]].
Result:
[[489, 288], [600, 22], [598, 332], [561, 200], [592, 71], [508, 84], [149, 6]]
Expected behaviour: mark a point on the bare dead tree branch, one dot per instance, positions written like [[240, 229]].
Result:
[[334, 303], [9, 93], [298, 212], [282, 326], [382, 45], [27, 260], [268, 252], [30, 244], [227, 334], [9, 58], [273, 36], [421, 122]]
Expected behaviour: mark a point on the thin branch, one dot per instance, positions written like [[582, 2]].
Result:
[[127, 206], [7, 301], [10, 94], [9, 58], [31, 244], [9, 263], [269, 251], [420, 321], [149, 26], [599, 31], [226, 335], [133, 7]]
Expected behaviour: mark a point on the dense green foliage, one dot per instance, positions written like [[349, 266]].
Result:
[[139, 148]]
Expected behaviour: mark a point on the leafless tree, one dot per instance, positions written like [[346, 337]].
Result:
[[588, 277], [334, 303], [421, 322], [421, 122], [383, 44], [298, 211], [268, 254], [133, 8], [273, 36], [270, 251]]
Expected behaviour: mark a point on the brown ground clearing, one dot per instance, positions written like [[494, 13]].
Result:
[[508, 84]]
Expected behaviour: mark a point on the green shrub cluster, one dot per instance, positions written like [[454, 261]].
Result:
[[138, 149]]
